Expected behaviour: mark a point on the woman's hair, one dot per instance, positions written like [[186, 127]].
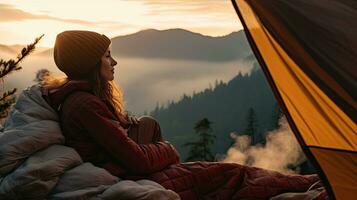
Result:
[[105, 90], [108, 91], [50, 82]]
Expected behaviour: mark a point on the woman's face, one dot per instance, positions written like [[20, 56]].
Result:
[[107, 67]]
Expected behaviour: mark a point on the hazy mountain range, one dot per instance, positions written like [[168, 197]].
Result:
[[173, 44], [182, 44], [155, 66], [13, 50]]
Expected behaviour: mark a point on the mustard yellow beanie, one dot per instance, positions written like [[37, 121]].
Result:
[[76, 53]]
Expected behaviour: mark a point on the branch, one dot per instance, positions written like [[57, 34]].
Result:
[[8, 94], [11, 65], [4, 107]]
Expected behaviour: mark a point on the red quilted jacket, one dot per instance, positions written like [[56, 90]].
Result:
[[92, 129]]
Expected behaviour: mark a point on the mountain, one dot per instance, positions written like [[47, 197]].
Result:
[[178, 44], [7, 49], [181, 44], [226, 105], [14, 50]]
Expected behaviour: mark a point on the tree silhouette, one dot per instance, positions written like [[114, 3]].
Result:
[[252, 125], [226, 105], [277, 114], [7, 98], [200, 150]]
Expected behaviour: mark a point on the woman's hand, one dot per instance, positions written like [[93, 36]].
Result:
[[127, 120], [133, 120]]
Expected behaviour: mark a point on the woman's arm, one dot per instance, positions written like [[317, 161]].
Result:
[[98, 122]]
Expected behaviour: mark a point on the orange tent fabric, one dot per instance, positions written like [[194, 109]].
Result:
[[308, 52]]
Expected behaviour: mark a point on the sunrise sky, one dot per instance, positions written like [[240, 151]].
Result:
[[22, 21]]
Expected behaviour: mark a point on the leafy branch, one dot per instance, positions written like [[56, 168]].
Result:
[[6, 67], [11, 65]]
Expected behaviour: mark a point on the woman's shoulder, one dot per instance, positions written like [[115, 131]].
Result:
[[57, 96], [81, 98], [83, 104]]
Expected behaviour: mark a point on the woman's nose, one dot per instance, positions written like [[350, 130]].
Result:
[[114, 62]]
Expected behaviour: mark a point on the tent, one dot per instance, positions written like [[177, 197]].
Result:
[[308, 52]]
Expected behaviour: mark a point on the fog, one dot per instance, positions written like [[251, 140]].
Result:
[[145, 82], [280, 153]]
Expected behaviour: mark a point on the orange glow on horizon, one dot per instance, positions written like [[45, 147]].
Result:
[[21, 21]]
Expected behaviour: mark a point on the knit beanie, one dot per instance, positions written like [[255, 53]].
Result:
[[76, 53]]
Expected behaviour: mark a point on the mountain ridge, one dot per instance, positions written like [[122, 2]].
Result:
[[177, 44], [181, 44]]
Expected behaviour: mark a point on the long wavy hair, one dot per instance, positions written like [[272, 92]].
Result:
[[105, 90], [108, 91]]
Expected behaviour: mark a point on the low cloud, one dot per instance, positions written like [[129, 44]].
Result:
[[218, 17], [219, 10], [280, 153], [10, 13], [188, 5]]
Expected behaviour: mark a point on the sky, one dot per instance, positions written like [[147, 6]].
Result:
[[23, 20]]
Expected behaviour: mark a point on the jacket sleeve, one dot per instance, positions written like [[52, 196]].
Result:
[[97, 120]]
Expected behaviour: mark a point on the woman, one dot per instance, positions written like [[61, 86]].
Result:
[[95, 124], [92, 113]]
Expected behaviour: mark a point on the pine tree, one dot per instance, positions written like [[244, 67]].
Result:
[[7, 98], [252, 125], [200, 150]]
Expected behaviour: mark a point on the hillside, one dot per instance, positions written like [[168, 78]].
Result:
[[226, 105]]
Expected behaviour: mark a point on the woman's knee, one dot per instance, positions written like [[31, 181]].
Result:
[[148, 123], [146, 119]]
